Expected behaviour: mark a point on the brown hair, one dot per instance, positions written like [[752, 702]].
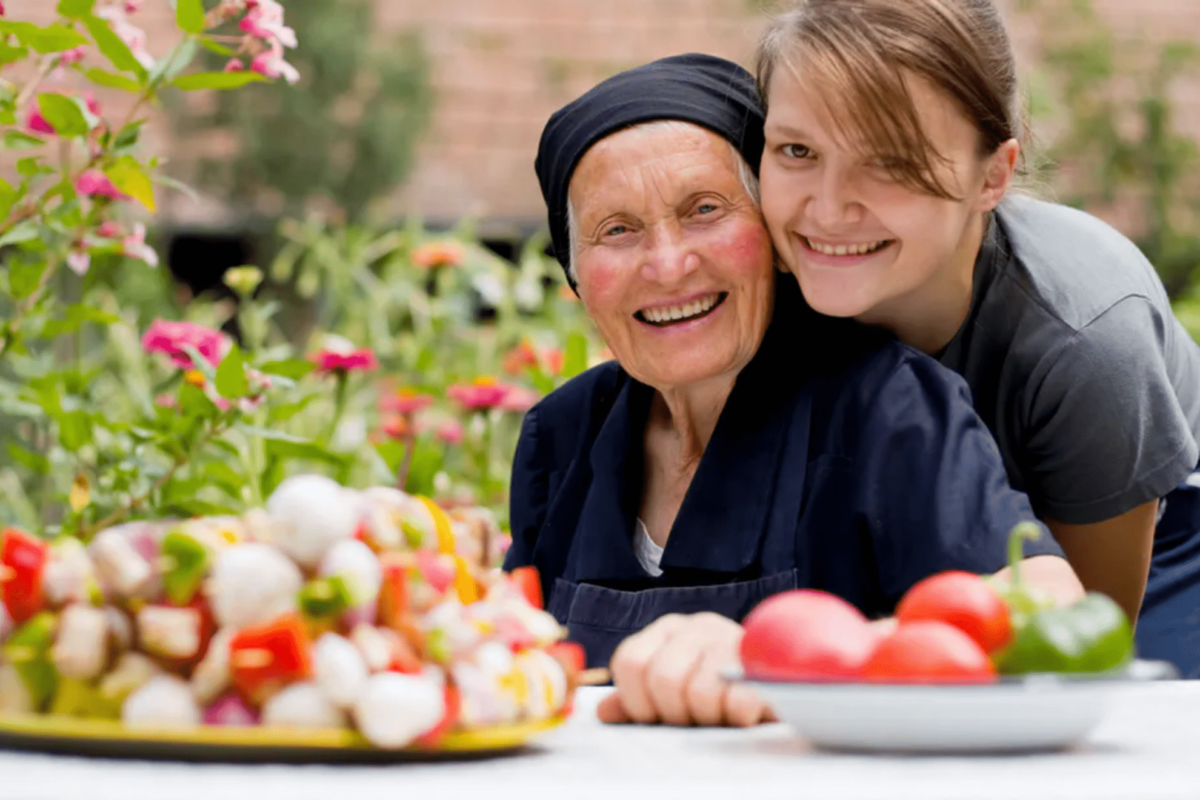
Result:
[[857, 53]]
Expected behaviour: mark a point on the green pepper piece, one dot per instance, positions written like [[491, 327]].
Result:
[[80, 699], [325, 597], [187, 562], [28, 650], [1092, 635]]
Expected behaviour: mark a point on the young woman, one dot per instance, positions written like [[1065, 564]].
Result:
[[892, 140]]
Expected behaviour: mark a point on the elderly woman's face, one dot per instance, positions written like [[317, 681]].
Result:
[[673, 261]]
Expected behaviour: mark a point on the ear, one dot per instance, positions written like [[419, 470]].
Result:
[[998, 171]]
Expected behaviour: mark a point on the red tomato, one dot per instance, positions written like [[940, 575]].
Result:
[[963, 600], [22, 565], [929, 652], [806, 635], [530, 584]]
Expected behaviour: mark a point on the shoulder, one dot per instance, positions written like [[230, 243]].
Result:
[[1074, 265], [557, 425]]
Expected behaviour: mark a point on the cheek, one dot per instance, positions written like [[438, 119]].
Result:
[[600, 280], [742, 251]]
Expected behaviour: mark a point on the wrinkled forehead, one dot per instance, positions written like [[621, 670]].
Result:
[[675, 156]]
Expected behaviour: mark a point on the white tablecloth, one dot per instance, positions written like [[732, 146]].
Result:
[[1147, 748]]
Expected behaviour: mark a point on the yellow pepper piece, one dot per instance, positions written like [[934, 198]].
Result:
[[464, 582], [445, 534]]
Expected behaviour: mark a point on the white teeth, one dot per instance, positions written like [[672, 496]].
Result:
[[685, 311], [846, 249]]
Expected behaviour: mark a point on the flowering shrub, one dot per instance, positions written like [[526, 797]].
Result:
[[116, 403]]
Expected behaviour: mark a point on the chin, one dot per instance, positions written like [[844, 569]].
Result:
[[833, 300]]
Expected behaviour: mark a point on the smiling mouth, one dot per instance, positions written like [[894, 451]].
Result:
[[864, 249], [665, 316]]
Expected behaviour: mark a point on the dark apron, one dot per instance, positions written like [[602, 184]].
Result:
[[600, 618], [1169, 623]]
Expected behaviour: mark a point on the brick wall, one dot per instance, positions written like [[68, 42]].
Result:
[[502, 66]]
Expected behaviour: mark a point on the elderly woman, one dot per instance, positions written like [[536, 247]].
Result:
[[740, 445]]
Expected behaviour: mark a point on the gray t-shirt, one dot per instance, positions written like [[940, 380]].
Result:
[[1077, 365]]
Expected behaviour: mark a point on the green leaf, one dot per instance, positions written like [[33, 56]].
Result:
[[50, 39], [285, 412], [294, 368], [74, 319], [171, 183], [231, 375], [29, 459], [272, 435], [189, 15], [112, 80], [392, 454], [216, 80], [16, 140], [225, 478], [21, 232], [195, 508], [541, 381], [10, 54], [116, 51], [575, 357], [214, 47], [305, 451], [8, 196], [74, 430], [128, 136], [129, 176], [63, 114], [75, 8], [195, 403]]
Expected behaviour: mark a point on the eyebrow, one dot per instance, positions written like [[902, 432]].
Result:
[[786, 130]]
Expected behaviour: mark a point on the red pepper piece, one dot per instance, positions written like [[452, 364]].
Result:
[[394, 601], [404, 658], [530, 584], [571, 655], [265, 658], [433, 737], [22, 564]]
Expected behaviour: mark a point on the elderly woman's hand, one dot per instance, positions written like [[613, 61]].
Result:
[[670, 672]]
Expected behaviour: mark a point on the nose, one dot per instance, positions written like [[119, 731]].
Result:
[[834, 205], [669, 258]]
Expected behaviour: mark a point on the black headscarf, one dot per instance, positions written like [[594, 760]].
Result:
[[705, 90]]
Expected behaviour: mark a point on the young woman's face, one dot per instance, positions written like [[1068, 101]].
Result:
[[860, 243]]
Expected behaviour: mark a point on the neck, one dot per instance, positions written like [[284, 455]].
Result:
[[689, 415], [930, 316]]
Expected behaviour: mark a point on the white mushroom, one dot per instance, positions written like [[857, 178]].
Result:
[[490, 686], [340, 669], [132, 672], [316, 513], [122, 570], [69, 576], [302, 705], [546, 682], [394, 709], [212, 675], [81, 647], [376, 646], [168, 631], [252, 584], [165, 701]]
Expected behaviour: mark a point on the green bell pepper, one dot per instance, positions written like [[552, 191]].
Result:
[[186, 564], [325, 597], [1092, 635], [28, 650]]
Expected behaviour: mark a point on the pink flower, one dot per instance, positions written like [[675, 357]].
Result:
[[108, 229], [133, 36], [134, 246], [165, 400], [79, 260], [1, 9], [355, 361], [93, 182], [450, 432], [37, 123], [265, 20], [519, 399], [132, 6], [272, 64], [235, 65], [438, 254], [483, 393], [165, 336], [405, 401], [72, 56]]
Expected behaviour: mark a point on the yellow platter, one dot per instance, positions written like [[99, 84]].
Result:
[[62, 734]]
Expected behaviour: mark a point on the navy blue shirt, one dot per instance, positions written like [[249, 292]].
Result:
[[852, 461]]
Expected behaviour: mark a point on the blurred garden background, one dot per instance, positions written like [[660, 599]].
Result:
[[392, 310]]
